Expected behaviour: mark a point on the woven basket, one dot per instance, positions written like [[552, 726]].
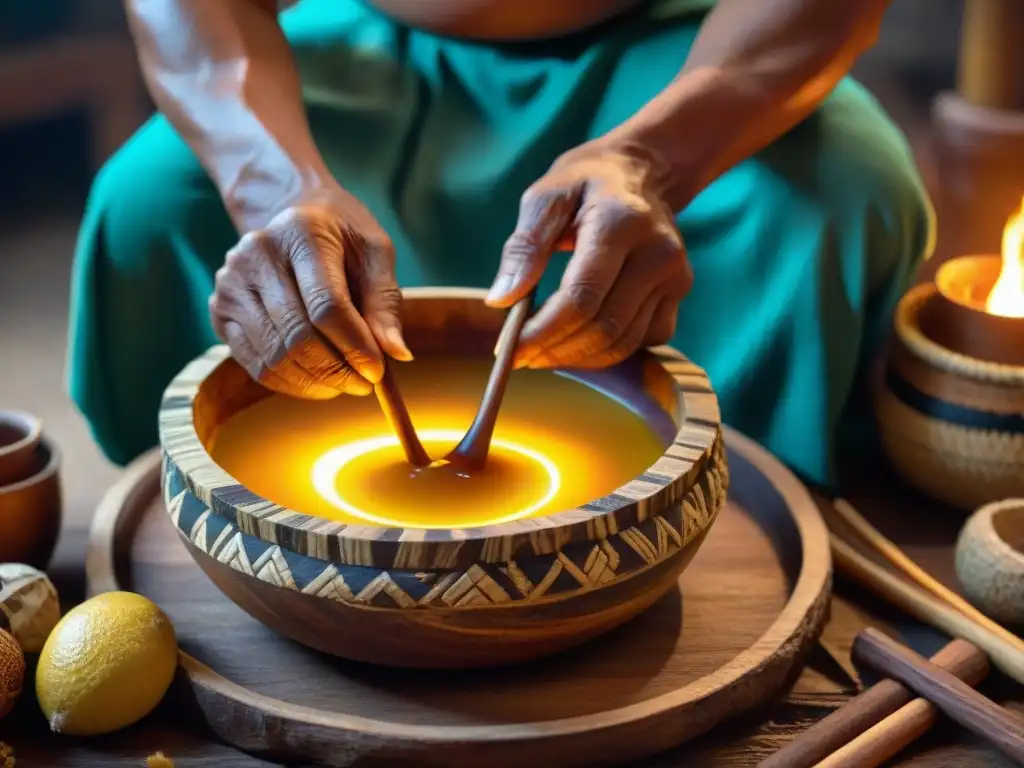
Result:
[[952, 425]]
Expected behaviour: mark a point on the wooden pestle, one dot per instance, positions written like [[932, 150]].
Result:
[[876, 704], [955, 698], [391, 402], [471, 453]]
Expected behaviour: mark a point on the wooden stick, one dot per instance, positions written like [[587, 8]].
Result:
[[884, 739], [876, 704], [397, 415], [470, 454], [925, 608], [887, 737], [896, 556], [956, 699]]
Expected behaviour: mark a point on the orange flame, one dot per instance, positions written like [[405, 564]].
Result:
[[1007, 297]]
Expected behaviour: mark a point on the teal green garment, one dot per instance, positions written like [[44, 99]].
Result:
[[799, 253]]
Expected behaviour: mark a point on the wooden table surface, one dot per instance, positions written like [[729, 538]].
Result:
[[926, 530]]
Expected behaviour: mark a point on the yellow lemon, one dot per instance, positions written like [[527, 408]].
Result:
[[106, 664]]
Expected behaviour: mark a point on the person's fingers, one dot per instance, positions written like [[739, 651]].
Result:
[[663, 323], [637, 281], [605, 237], [275, 288], [600, 352], [544, 217], [381, 301], [285, 377], [318, 265]]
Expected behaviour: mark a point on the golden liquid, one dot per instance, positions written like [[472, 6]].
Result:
[[558, 444]]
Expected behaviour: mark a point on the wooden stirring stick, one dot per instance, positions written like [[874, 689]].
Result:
[[397, 414], [897, 558], [882, 702], [955, 698], [470, 455], [922, 606]]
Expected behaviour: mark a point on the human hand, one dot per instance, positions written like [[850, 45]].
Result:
[[628, 272], [309, 303]]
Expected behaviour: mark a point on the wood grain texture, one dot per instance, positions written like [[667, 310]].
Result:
[[955, 698], [745, 617], [876, 704], [666, 385]]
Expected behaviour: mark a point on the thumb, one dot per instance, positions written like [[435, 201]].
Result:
[[382, 309], [543, 218]]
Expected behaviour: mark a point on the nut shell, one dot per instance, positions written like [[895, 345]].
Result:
[[29, 605], [12, 671]]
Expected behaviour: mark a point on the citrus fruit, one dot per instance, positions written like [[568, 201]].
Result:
[[106, 664]]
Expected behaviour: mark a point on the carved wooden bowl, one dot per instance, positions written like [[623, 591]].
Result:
[[951, 424], [450, 598]]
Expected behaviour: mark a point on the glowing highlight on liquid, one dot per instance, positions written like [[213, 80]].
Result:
[[329, 465]]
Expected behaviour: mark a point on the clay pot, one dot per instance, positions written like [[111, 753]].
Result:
[[450, 598], [951, 424], [990, 561], [30, 511], [20, 434]]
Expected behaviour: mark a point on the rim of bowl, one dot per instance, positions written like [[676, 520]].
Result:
[[664, 483], [49, 469], [910, 333], [29, 424], [999, 545]]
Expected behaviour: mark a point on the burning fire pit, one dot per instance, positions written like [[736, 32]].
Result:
[[951, 409]]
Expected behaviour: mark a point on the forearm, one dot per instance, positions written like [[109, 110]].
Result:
[[755, 71], [223, 74]]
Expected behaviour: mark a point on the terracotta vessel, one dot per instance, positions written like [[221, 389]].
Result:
[[963, 326], [450, 598], [30, 511], [952, 424], [990, 560], [20, 434]]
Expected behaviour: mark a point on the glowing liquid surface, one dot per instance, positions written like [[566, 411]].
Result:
[[558, 445]]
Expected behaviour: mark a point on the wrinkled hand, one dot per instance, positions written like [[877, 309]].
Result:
[[622, 287], [309, 304]]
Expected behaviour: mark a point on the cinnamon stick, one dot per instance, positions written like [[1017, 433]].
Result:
[[874, 705]]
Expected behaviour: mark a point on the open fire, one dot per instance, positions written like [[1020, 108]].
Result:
[[1007, 296]]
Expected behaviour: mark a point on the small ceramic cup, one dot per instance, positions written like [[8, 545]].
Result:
[[990, 560], [20, 434], [30, 508]]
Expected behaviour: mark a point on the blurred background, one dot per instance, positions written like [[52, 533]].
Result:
[[70, 93]]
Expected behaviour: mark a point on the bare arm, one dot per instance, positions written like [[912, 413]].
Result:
[[223, 74], [307, 299], [755, 70]]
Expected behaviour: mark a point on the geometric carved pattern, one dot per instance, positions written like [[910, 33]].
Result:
[[212, 387], [578, 567]]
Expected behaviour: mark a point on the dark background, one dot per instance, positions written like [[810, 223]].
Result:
[[70, 93]]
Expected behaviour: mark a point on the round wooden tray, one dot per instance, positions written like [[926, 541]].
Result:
[[749, 609]]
